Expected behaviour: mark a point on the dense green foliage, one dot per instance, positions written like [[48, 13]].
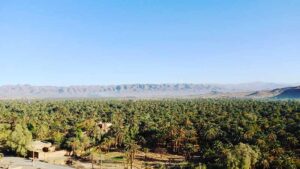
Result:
[[219, 133]]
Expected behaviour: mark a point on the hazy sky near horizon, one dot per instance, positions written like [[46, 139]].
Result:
[[74, 42]]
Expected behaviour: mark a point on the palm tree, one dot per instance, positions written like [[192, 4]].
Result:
[[242, 156], [131, 149], [212, 133], [19, 139]]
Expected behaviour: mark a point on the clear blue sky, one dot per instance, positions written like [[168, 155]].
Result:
[[74, 42]]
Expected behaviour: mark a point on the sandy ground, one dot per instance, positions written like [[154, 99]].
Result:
[[21, 163], [109, 161], [112, 160]]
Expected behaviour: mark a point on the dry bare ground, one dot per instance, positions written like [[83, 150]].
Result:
[[116, 160], [22, 163], [111, 160]]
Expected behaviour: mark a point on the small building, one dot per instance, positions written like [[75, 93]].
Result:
[[43, 150], [104, 127]]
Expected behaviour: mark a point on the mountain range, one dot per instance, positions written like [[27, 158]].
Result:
[[247, 90]]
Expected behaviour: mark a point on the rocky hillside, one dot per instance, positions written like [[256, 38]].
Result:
[[280, 93], [289, 93]]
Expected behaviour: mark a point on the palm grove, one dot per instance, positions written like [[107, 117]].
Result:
[[234, 134]]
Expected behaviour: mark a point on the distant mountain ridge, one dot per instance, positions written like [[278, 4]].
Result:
[[130, 90]]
